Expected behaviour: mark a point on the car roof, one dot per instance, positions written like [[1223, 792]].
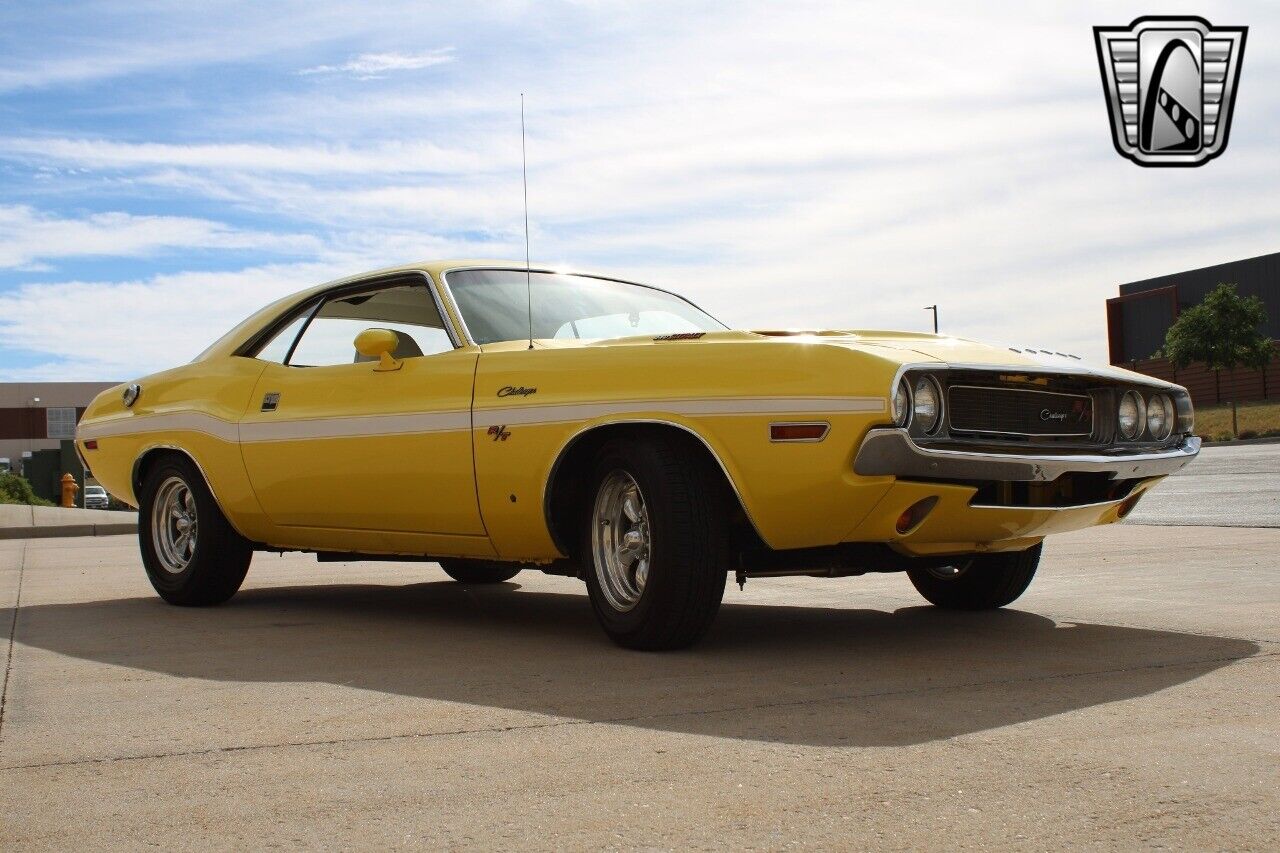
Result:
[[251, 325]]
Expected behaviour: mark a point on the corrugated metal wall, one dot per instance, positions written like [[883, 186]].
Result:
[[1145, 321]]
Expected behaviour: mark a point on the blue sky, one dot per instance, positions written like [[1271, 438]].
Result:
[[166, 168]]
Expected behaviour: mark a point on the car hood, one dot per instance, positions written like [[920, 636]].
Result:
[[904, 347], [961, 352]]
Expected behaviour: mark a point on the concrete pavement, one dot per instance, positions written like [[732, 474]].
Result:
[[1228, 485], [1129, 699]]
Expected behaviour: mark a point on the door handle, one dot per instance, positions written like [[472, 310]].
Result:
[[270, 401]]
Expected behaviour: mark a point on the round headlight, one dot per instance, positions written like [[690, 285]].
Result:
[[1131, 416], [902, 404], [927, 404], [1160, 416]]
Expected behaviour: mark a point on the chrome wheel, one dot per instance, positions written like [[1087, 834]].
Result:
[[620, 540], [174, 525]]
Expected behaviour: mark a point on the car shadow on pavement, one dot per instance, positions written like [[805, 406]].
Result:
[[799, 675]]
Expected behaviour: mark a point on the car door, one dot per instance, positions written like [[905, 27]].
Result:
[[339, 441]]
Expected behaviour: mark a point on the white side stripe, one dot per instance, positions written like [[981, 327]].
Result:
[[354, 427], [273, 429], [177, 422], [574, 412]]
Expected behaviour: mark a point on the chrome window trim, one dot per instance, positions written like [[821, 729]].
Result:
[[1093, 413], [315, 301], [444, 278]]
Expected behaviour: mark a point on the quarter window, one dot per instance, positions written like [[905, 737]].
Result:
[[277, 349]]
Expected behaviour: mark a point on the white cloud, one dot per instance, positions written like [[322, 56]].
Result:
[[28, 236], [803, 165], [118, 330], [368, 66], [387, 158]]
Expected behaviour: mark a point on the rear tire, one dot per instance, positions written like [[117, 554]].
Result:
[[192, 555], [986, 582], [479, 571], [654, 543]]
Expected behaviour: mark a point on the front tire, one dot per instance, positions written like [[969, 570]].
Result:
[[655, 545], [480, 571], [985, 582], [192, 555]]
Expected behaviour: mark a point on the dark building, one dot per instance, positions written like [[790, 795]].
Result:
[[38, 416], [1139, 317]]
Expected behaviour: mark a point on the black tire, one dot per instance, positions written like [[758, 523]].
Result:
[[688, 555], [480, 571], [988, 581], [219, 557]]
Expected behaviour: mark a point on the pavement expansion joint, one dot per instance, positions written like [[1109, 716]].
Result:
[[13, 630]]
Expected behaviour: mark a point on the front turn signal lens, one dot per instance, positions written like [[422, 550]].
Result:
[[913, 515], [1127, 505]]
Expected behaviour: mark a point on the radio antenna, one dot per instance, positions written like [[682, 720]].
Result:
[[524, 179]]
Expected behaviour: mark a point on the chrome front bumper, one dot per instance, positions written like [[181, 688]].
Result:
[[892, 452]]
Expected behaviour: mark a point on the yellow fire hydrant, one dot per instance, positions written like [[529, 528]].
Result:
[[69, 489]]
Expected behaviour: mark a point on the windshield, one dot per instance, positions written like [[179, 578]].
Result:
[[495, 307]]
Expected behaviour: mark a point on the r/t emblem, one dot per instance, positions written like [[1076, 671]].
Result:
[[499, 433]]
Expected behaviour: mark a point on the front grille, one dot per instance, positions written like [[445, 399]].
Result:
[[1015, 411]]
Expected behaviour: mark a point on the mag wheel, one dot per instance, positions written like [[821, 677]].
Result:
[[982, 582], [654, 547], [480, 571], [192, 555]]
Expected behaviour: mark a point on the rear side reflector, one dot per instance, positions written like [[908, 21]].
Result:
[[914, 514], [799, 432], [91, 444]]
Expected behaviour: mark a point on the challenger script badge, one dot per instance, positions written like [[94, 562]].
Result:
[[1170, 84]]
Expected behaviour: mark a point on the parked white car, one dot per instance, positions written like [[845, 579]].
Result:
[[95, 497]]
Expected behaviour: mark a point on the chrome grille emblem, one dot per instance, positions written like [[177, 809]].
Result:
[[1170, 84]]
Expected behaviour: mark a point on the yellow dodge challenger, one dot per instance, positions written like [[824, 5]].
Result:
[[496, 419]]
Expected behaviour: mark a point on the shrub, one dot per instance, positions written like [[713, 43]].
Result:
[[1247, 433], [16, 490]]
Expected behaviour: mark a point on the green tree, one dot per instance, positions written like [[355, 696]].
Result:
[[16, 490], [1223, 333]]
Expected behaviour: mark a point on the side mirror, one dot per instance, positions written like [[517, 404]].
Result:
[[379, 344]]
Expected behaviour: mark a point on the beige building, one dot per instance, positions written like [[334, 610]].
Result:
[[38, 415]]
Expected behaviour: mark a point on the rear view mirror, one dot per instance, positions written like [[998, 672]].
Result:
[[379, 344]]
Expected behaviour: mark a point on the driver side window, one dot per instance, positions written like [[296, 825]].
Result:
[[327, 338]]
